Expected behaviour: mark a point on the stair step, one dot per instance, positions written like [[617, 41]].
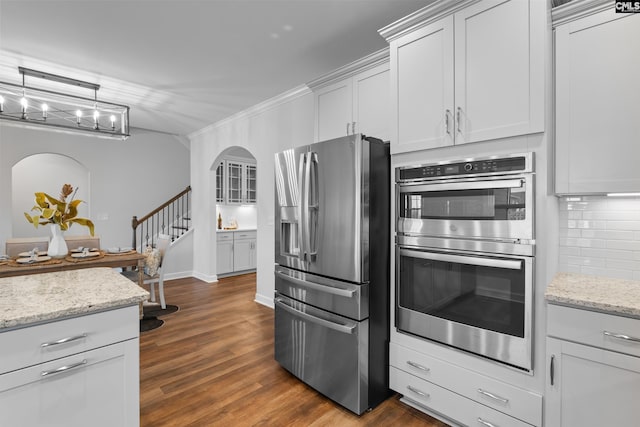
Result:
[[179, 227]]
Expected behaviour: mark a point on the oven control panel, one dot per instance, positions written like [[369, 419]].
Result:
[[484, 166]]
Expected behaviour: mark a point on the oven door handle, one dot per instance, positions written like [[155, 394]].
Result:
[[316, 287], [464, 259], [465, 185], [345, 329]]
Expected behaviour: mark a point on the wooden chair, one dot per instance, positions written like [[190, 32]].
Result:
[[14, 246], [88, 241], [163, 245]]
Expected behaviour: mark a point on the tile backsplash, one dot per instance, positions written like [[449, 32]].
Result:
[[600, 236]]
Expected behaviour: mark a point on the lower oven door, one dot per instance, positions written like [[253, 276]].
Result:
[[326, 351], [480, 303]]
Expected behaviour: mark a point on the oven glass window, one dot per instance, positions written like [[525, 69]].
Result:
[[481, 204], [489, 298]]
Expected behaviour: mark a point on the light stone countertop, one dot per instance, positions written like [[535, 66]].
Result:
[[235, 229], [44, 297], [604, 294]]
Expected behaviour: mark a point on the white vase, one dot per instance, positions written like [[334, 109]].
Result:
[[57, 245]]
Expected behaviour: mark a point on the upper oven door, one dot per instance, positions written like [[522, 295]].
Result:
[[498, 207]]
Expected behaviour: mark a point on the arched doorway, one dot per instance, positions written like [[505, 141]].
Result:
[[233, 178], [46, 172]]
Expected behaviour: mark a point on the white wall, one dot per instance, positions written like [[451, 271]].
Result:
[[286, 121], [127, 178]]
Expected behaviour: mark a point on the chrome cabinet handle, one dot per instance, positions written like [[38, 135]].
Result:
[[493, 396], [621, 336], [458, 114], [63, 340], [463, 259], [447, 113], [63, 368], [301, 184], [418, 366], [551, 369], [418, 392], [485, 423], [353, 127]]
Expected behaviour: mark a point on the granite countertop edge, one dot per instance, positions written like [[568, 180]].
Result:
[[603, 294], [47, 297]]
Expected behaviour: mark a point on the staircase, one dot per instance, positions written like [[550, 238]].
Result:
[[173, 217]]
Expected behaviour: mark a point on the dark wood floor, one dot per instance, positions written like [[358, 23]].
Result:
[[211, 363]]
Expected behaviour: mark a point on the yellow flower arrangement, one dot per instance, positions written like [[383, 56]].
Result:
[[58, 211]]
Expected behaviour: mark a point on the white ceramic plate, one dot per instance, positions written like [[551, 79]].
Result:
[[30, 261], [119, 250], [28, 254], [88, 255]]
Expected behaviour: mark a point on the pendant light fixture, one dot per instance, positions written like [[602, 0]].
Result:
[[39, 108]]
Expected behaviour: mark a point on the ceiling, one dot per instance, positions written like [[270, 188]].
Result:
[[184, 64]]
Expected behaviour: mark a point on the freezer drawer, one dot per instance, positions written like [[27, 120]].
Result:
[[343, 298], [326, 351]]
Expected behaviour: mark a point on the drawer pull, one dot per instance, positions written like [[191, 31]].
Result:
[[418, 392], [63, 368], [486, 423], [493, 396], [418, 366], [63, 340], [621, 336]]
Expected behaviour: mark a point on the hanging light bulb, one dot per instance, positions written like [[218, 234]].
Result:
[[78, 117], [113, 122], [1, 104], [96, 119], [25, 104], [45, 108]]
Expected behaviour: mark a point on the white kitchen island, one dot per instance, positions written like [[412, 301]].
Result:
[[70, 349]]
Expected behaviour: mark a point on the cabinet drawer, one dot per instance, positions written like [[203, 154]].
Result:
[[498, 395], [224, 237], [431, 397], [42, 343], [595, 329], [244, 235]]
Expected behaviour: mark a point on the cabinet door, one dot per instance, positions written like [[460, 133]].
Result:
[[422, 88], [95, 388], [591, 386], [234, 182], [333, 110], [220, 185], [371, 102], [253, 259], [242, 255], [224, 255], [597, 109], [250, 184], [499, 69]]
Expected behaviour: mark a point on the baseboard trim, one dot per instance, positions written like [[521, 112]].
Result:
[[266, 301]]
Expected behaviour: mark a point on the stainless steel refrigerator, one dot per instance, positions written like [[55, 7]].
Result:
[[332, 268]]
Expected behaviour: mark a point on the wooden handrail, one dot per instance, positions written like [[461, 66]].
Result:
[[135, 221]]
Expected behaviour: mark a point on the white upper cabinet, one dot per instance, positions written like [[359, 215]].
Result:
[[466, 74], [597, 93], [354, 99], [236, 182]]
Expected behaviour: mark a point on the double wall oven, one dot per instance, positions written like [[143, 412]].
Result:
[[465, 255]]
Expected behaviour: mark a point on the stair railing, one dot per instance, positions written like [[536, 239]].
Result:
[[172, 217]]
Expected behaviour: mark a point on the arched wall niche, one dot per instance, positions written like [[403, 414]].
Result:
[[46, 172]]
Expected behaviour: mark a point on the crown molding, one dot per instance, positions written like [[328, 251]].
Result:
[[254, 110], [372, 60], [422, 17], [577, 9]]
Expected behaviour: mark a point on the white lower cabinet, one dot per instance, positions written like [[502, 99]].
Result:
[[75, 379], [593, 369], [236, 251], [459, 395]]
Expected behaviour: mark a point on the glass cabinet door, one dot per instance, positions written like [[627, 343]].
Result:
[[250, 183], [220, 183], [234, 182]]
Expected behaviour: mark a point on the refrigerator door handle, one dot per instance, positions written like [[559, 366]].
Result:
[[346, 329], [313, 207], [327, 289], [301, 187]]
